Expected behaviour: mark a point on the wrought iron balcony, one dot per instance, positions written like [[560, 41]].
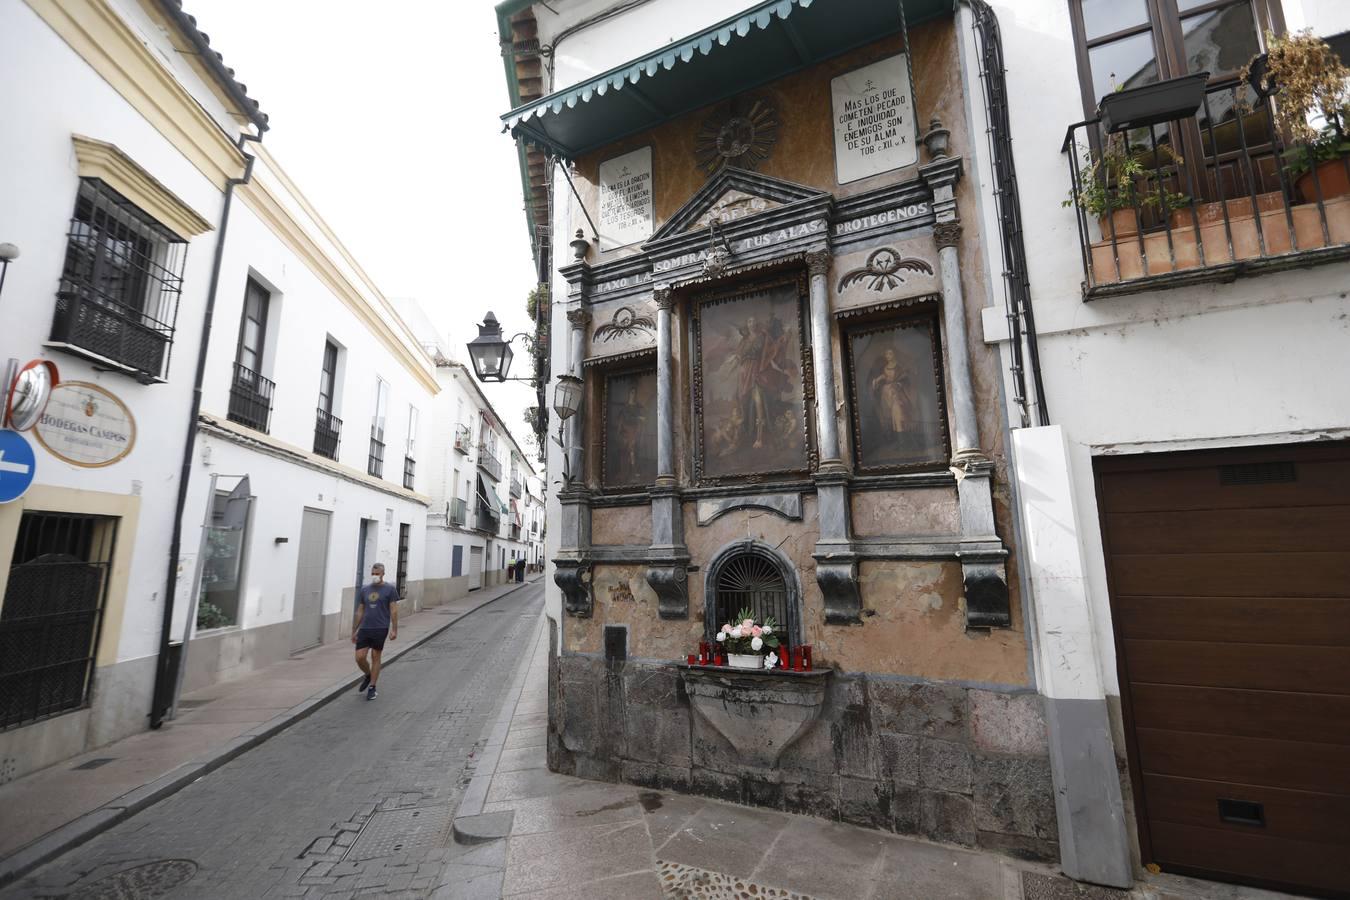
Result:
[[409, 467], [487, 519], [489, 463], [463, 442], [458, 511], [515, 485], [515, 532], [1209, 198], [251, 399], [375, 460], [107, 330], [327, 433]]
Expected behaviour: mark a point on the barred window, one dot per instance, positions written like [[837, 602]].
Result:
[[119, 291]]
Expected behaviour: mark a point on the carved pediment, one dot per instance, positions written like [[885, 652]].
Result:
[[733, 195]]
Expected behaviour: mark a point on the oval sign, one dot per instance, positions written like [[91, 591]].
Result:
[[86, 426]]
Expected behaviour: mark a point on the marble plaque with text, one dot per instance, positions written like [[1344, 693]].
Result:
[[626, 199], [874, 129]]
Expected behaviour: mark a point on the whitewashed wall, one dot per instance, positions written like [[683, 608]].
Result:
[[1207, 366]]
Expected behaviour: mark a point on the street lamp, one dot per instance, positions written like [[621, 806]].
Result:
[[566, 402], [490, 354], [8, 253]]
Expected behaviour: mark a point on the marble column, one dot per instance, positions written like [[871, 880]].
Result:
[[667, 558], [572, 572], [836, 563], [984, 572]]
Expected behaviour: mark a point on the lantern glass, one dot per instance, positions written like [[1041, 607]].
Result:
[[490, 355], [567, 396]]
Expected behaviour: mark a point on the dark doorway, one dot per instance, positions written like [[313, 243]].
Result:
[[49, 625]]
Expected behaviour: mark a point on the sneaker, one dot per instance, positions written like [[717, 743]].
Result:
[[371, 693], [365, 683]]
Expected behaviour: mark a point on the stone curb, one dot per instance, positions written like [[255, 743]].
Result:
[[494, 736], [90, 824]]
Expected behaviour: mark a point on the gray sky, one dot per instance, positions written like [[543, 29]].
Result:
[[386, 115]]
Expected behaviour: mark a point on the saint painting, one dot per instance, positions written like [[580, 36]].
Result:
[[898, 417], [752, 411], [630, 429]]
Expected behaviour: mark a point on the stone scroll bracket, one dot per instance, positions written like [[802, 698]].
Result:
[[984, 574], [572, 567], [836, 563], [573, 578], [667, 558]]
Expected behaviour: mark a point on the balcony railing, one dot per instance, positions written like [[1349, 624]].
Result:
[[375, 461], [1233, 208], [515, 532], [251, 399], [458, 510], [489, 463], [327, 433], [409, 467], [488, 519], [111, 331], [515, 485], [462, 440]]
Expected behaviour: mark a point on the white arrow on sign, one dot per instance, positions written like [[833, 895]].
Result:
[[17, 468]]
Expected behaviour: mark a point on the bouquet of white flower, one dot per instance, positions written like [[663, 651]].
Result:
[[747, 636]]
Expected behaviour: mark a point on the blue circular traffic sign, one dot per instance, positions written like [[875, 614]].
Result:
[[17, 465]]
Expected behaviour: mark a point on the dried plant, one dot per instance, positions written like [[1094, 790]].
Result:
[[1309, 82]]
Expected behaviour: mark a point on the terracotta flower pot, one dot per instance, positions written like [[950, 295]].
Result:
[[1123, 223], [745, 660], [1333, 177]]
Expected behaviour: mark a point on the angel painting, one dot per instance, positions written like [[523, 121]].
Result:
[[898, 412], [752, 401]]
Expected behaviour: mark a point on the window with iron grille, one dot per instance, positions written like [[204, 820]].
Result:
[[250, 392], [404, 539], [53, 609], [752, 579], [327, 426], [123, 274]]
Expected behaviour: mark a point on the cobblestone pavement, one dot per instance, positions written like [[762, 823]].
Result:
[[355, 800]]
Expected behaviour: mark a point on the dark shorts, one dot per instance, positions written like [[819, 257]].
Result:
[[372, 639]]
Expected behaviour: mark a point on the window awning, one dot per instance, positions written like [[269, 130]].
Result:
[[489, 497], [766, 42]]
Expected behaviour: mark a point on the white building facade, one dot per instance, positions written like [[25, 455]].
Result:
[[315, 412], [121, 150], [486, 512]]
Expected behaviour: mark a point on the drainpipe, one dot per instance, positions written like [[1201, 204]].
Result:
[[164, 682]]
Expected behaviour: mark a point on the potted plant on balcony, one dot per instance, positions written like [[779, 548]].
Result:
[[1116, 185], [1311, 89], [748, 642]]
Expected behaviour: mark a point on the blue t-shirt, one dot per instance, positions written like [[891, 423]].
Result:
[[377, 598]]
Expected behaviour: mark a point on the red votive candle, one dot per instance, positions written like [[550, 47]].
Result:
[[704, 649], [797, 663], [720, 659], [692, 659], [806, 656], [784, 656]]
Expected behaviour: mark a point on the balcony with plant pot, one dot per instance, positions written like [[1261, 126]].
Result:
[[1185, 181]]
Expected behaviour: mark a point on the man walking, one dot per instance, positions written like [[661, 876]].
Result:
[[376, 619]]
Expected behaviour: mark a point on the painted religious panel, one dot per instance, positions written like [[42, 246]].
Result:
[[629, 444], [751, 382], [895, 384]]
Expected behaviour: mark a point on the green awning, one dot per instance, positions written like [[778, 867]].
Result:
[[762, 44]]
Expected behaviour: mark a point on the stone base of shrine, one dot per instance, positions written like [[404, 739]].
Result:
[[956, 764]]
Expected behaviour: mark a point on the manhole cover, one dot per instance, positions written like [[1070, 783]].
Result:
[[401, 831], [149, 880]]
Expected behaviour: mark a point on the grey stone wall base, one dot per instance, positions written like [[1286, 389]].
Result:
[[1094, 844], [949, 763]]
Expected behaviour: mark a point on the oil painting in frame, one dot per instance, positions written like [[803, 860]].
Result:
[[628, 444], [896, 395], [751, 382]]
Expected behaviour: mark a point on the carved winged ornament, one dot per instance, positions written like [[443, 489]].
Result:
[[624, 323], [883, 268]]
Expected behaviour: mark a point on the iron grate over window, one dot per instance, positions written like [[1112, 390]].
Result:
[[123, 275], [751, 581], [52, 612]]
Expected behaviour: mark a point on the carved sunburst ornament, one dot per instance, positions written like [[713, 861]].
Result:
[[624, 323], [741, 135]]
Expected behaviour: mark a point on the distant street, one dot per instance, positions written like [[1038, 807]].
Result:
[[358, 797]]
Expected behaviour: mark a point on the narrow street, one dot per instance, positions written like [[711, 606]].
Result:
[[360, 788]]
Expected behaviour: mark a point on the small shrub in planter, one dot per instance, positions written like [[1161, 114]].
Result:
[[1117, 183]]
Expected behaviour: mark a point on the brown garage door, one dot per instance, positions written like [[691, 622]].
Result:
[[1230, 592]]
